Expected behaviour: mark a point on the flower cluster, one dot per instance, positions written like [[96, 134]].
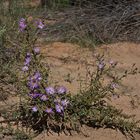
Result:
[[53, 99], [34, 80], [40, 24], [27, 62], [22, 24], [42, 98], [101, 65]]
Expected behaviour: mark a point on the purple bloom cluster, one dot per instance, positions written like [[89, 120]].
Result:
[[52, 97], [49, 110], [44, 98], [60, 105], [37, 76], [25, 68], [27, 62], [34, 109], [22, 24], [34, 81], [33, 84], [35, 95], [58, 102], [50, 90], [59, 108], [114, 85], [65, 103], [36, 50], [40, 25], [61, 90]]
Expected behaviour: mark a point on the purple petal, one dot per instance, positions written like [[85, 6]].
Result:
[[22, 24], [49, 110], [65, 103], [37, 50], [35, 95], [27, 61], [61, 90], [50, 90], [101, 66], [37, 76], [22, 20], [114, 85], [28, 54], [34, 109], [44, 98], [33, 84], [40, 25], [59, 108], [25, 68]]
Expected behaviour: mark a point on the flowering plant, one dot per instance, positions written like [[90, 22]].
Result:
[[52, 107], [42, 101]]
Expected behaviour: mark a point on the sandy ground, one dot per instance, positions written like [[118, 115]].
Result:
[[69, 62]]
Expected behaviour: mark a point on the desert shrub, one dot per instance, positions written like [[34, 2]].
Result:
[[43, 106], [46, 107]]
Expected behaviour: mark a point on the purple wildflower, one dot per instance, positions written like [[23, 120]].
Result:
[[40, 25], [37, 76], [61, 90], [65, 103], [36, 50], [59, 108], [22, 24], [22, 20], [25, 68], [49, 110], [33, 83], [44, 98], [50, 90], [28, 55], [27, 61], [34, 109], [101, 65], [35, 95], [113, 85]]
